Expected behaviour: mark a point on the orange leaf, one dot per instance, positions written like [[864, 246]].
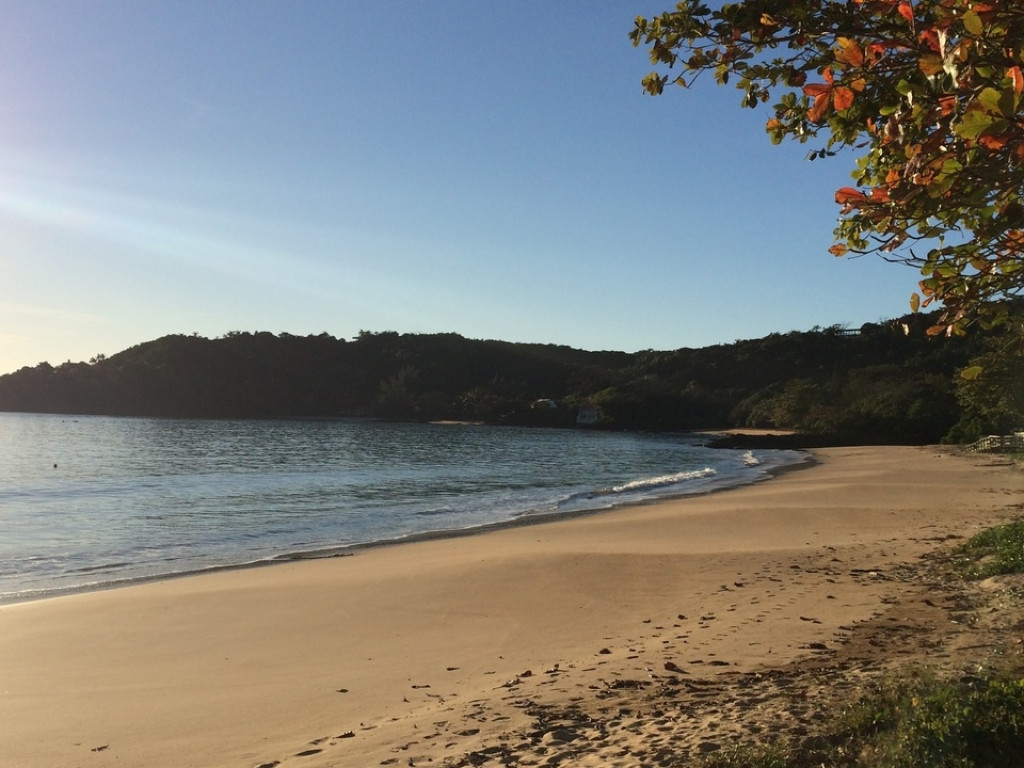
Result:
[[994, 143], [1018, 79], [1014, 238], [842, 98], [946, 105], [819, 108], [930, 64], [816, 89], [849, 52], [880, 195], [839, 249], [906, 11], [850, 196]]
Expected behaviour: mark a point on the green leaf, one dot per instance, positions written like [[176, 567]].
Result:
[[951, 167], [972, 23], [970, 374], [974, 123], [998, 102]]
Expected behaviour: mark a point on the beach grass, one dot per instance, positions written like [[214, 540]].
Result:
[[919, 717], [908, 721], [922, 720], [993, 552]]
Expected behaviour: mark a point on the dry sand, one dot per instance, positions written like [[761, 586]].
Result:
[[646, 635]]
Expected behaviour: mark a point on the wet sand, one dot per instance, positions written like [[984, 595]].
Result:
[[632, 636]]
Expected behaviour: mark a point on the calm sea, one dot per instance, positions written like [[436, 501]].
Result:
[[88, 502]]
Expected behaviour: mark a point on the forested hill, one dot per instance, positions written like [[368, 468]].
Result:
[[877, 383]]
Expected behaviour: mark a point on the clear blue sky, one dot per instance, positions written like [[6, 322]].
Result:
[[491, 169]]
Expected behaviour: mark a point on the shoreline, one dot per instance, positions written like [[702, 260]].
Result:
[[804, 460], [617, 639]]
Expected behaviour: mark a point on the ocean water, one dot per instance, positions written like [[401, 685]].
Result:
[[88, 502]]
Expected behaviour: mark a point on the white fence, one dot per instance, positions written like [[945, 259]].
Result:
[[997, 443]]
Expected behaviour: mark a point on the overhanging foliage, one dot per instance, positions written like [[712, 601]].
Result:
[[928, 93]]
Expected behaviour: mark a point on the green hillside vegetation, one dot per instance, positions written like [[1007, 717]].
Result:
[[878, 383]]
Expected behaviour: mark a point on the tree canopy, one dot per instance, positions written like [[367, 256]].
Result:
[[876, 384], [927, 93]]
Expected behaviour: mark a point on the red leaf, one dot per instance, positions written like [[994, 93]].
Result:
[[850, 196], [906, 11], [930, 39], [877, 50]]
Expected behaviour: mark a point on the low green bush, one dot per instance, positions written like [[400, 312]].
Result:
[[910, 722], [968, 723], [992, 552]]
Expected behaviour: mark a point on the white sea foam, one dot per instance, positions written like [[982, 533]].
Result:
[[750, 459], [663, 480]]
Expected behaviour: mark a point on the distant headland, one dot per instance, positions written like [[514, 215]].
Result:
[[883, 382]]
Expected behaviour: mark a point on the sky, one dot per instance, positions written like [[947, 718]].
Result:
[[308, 166]]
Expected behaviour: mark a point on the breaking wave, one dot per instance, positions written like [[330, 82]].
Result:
[[663, 480]]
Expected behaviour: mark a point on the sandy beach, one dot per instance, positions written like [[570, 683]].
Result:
[[645, 635]]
